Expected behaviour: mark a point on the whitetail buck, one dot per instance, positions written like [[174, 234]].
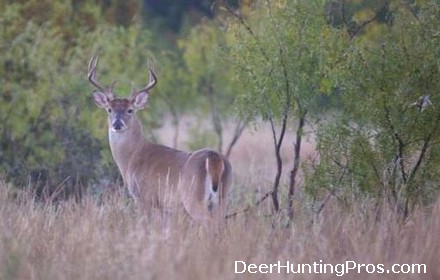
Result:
[[156, 175]]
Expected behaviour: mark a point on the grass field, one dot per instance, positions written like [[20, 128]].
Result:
[[108, 238]]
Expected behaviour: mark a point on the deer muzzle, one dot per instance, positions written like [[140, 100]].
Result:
[[118, 125]]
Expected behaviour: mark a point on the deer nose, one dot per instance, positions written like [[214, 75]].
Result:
[[118, 125]]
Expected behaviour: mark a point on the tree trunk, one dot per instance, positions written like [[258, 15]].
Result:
[[176, 124], [277, 144], [216, 121], [239, 128], [296, 161]]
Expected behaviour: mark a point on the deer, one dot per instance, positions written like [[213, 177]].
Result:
[[155, 175]]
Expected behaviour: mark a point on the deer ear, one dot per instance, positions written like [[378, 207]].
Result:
[[140, 100], [101, 99]]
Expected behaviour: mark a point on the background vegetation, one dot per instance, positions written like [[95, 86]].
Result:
[[327, 109], [360, 78]]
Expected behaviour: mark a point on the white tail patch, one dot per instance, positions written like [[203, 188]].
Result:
[[211, 196]]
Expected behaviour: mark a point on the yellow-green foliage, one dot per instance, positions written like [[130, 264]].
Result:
[[281, 57], [356, 67], [48, 120], [390, 143]]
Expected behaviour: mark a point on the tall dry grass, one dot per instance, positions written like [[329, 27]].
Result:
[[107, 238]]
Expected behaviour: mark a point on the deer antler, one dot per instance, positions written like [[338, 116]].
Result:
[[151, 82], [91, 75]]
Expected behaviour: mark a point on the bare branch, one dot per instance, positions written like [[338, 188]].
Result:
[[242, 21], [355, 32], [247, 209], [239, 128]]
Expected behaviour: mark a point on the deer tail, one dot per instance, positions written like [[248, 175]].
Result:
[[215, 166], [214, 171]]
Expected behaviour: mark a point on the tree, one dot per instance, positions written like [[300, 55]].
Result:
[[50, 132], [174, 88], [281, 52], [209, 73], [384, 142]]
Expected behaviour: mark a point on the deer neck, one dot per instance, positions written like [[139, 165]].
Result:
[[126, 144]]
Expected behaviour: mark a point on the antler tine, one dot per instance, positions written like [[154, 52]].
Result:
[[91, 75], [152, 81], [112, 86]]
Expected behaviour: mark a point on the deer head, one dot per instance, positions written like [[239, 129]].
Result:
[[120, 110]]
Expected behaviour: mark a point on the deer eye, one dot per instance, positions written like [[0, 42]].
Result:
[[109, 110], [130, 111]]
